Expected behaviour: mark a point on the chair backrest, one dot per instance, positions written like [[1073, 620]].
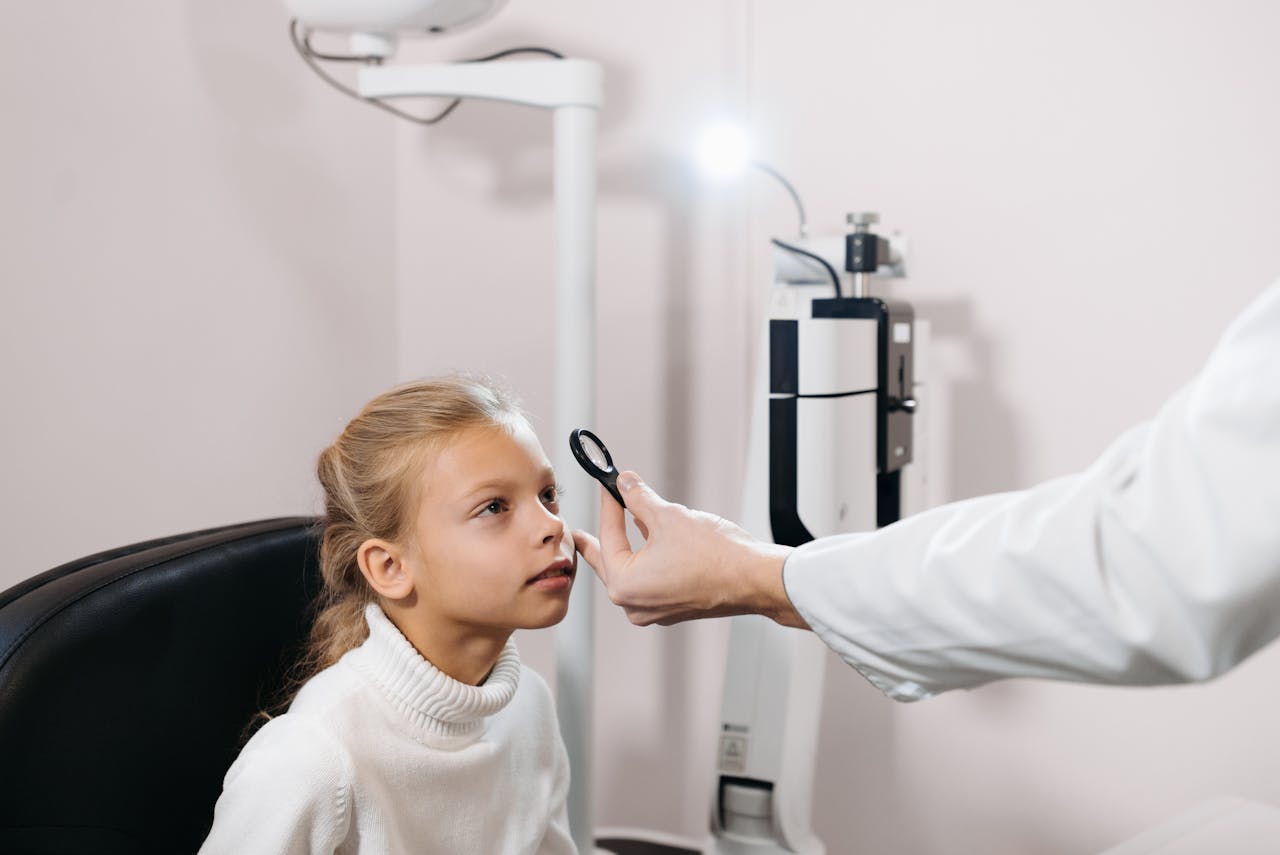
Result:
[[127, 680]]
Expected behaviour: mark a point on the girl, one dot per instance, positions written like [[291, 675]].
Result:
[[419, 730]]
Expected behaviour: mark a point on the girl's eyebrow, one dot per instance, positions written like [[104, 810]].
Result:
[[545, 473]]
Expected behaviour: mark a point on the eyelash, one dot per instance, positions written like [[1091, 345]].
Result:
[[556, 491]]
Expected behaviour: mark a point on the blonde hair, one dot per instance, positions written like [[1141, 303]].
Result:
[[369, 489]]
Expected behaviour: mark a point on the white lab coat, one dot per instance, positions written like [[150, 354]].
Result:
[[1160, 563]]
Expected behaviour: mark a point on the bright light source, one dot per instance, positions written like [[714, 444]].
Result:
[[723, 151]]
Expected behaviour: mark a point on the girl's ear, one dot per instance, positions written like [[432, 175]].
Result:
[[383, 567]]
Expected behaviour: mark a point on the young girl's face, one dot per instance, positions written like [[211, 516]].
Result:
[[490, 550]]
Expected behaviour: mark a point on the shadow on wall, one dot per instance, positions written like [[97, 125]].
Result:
[[279, 156], [982, 444], [855, 807]]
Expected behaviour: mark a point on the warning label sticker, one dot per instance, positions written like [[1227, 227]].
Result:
[[733, 753]]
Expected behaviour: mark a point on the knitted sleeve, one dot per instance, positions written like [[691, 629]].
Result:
[[288, 793]]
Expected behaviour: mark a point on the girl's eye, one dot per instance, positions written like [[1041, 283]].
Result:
[[493, 508], [551, 495]]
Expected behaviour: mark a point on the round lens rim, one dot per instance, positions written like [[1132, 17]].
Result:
[[584, 457]]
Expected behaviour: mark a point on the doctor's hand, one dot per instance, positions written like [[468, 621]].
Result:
[[692, 564]]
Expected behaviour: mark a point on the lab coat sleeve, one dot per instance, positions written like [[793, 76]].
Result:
[[1159, 564], [288, 793]]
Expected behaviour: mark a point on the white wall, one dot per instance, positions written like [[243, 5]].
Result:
[[196, 268], [1091, 193]]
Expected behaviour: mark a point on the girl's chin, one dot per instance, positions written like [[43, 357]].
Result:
[[549, 618]]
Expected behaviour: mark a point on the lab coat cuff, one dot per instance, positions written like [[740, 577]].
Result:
[[858, 658]]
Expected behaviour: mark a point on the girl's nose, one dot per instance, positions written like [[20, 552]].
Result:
[[553, 527]]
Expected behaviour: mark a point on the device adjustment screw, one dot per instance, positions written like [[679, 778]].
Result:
[[862, 220]]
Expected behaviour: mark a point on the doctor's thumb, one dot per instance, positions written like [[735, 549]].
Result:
[[641, 500], [631, 486]]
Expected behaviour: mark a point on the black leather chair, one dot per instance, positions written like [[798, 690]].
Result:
[[127, 680]]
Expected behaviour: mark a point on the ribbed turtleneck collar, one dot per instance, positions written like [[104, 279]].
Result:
[[432, 700]]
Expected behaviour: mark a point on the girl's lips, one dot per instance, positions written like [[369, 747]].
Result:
[[562, 582], [558, 570]]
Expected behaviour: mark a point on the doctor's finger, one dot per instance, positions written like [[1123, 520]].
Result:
[[615, 549], [589, 548], [643, 502]]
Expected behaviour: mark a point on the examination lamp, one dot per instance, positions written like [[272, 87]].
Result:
[[373, 25], [723, 152]]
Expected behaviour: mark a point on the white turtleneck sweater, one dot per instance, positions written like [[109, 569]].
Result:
[[385, 753]]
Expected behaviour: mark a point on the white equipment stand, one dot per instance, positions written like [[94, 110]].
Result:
[[573, 90], [831, 430]]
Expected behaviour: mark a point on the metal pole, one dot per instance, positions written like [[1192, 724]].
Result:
[[575, 198]]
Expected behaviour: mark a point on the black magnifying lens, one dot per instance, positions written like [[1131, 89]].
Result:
[[592, 456]]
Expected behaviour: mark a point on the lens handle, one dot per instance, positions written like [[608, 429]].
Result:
[[607, 475]]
